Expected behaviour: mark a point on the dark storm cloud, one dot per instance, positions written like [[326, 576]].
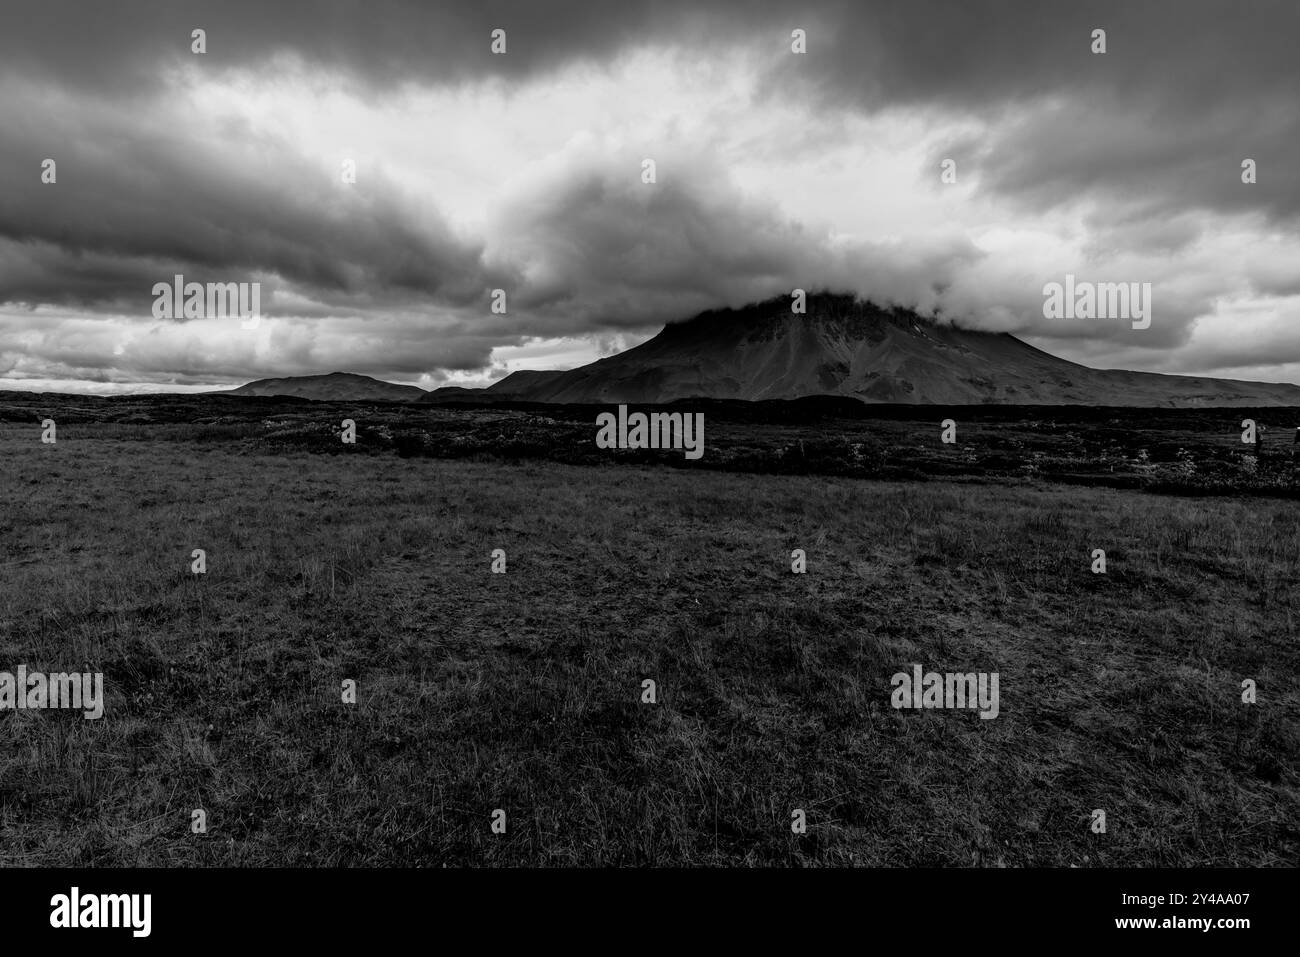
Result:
[[1147, 161], [126, 45], [1185, 54], [1185, 90], [606, 251], [133, 204]]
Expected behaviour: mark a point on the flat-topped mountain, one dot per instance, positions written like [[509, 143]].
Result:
[[336, 386], [846, 347], [840, 347]]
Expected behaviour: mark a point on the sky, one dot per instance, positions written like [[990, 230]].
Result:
[[523, 171]]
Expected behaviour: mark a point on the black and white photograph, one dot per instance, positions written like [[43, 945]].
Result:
[[565, 447]]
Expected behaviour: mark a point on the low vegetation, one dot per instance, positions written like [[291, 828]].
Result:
[[523, 691]]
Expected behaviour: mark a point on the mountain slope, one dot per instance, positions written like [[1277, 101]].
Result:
[[848, 348], [336, 386]]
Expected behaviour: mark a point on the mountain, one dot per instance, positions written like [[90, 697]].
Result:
[[514, 387], [524, 381], [845, 347], [337, 386]]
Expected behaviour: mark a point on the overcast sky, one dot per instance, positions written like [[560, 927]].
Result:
[[523, 171]]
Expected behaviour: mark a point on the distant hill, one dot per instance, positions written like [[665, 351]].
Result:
[[336, 387], [845, 347], [515, 386]]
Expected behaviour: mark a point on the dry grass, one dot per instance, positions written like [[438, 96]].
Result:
[[521, 691]]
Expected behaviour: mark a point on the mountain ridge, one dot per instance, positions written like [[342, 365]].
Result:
[[842, 346]]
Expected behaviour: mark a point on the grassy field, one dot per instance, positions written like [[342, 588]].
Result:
[[522, 691]]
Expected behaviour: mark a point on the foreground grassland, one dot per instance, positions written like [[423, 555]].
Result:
[[522, 691]]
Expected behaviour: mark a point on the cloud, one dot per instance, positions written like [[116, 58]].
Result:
[[1147, 162], [139, 197], [522, 172], [1186, 87], [596, 248]]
